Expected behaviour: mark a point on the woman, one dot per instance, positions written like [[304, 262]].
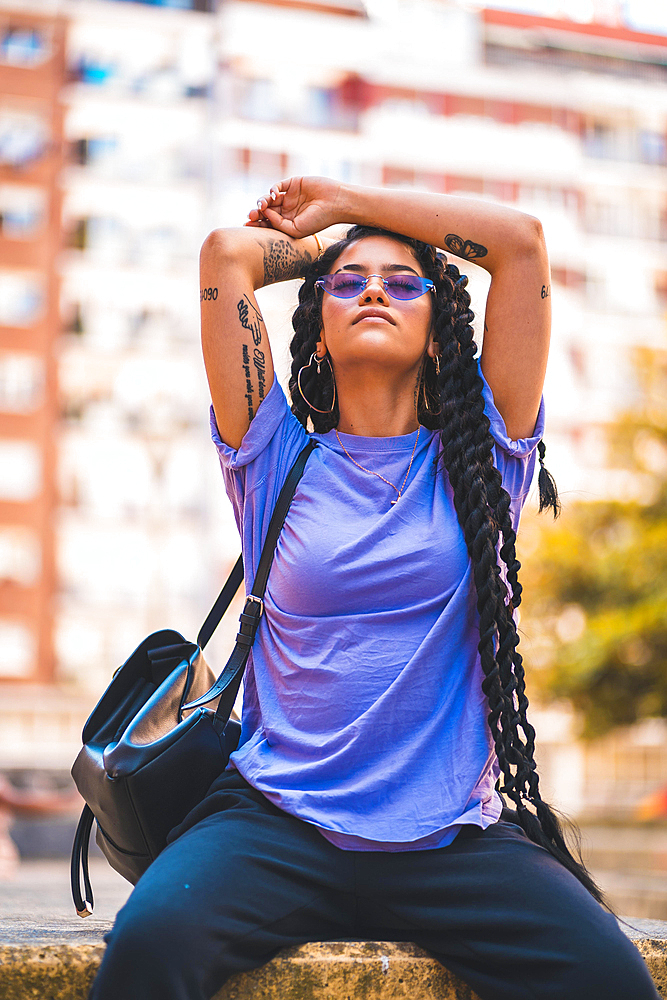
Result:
[[385, 695]]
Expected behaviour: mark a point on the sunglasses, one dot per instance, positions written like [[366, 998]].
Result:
[[400, 286]]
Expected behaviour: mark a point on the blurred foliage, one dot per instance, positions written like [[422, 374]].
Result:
[[596, 582]]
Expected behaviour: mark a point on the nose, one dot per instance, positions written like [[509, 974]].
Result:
[[374, 290]]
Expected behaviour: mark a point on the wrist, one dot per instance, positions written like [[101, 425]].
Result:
[[349, 205]]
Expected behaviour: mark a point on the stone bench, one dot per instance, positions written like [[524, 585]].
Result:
[[39, 960]]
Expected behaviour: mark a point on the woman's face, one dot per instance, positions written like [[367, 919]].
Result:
[[373, 327]]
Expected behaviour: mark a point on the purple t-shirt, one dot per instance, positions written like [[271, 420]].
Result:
[[363, 708]]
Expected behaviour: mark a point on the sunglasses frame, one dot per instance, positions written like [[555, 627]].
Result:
[[427, 286]]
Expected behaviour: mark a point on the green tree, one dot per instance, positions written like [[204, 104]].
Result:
[[596, 581]]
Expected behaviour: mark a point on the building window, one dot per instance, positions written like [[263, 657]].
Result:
[[23, 138], [97, 72], [21, 465], [258, 101], [21, 381], [22, 46], [18, 649], [652, 148], [91, 150], [22, 211], [609, 141], [21, 298], [20, 558]]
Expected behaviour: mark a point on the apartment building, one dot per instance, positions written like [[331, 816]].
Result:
[[108, 484], [168, 122], [32, 76]]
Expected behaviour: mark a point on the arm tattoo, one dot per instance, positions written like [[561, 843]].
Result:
[[546, 291], [282, 262], [248, 383], [259, 361], [208, 294], [464, 248], [251, 318]]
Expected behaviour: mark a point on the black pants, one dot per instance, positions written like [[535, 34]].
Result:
[[241, 879]]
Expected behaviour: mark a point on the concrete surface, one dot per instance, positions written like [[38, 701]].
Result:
[[46, 951]]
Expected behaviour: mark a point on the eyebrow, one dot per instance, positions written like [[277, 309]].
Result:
[[385, 267]]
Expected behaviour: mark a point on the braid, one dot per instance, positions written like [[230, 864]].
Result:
[[483, 510], [307, 324], [482, 506]]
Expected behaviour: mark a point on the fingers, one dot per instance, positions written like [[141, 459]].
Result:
[[274, 199]]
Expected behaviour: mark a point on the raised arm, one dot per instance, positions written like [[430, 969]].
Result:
[[507, 243], [237, 354]]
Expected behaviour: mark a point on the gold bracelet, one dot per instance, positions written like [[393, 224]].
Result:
[[320, 245]]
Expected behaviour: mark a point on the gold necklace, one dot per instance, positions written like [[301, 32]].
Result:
[[372, 473]]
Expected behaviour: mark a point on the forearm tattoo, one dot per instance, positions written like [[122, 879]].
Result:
[[546, 291], [208, 294], [464, 248], [251, 319], [282, 262], [259, 361], [248, 382]]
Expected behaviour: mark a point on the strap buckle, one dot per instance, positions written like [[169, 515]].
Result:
[[256, 600]]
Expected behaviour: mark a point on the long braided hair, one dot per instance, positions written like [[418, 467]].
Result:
[[453, 404]]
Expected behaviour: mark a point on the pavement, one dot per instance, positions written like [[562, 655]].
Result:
[[36, 904]]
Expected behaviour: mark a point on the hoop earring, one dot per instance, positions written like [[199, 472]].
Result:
[[434, 413], [314, 357], [422, 388]]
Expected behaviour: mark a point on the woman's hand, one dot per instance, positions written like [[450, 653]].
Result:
[[299, 206]]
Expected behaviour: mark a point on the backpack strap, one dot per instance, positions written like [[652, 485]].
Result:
[[228, 683]]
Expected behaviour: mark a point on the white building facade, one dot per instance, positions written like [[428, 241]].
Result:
[[176, 121]]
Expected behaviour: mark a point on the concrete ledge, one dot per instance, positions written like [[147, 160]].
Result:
[[42, 962], [60, 971], [347, 970]]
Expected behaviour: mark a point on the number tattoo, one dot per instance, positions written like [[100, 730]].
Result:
[[206, 294], [251, 319], [464, 248], [546, 291]]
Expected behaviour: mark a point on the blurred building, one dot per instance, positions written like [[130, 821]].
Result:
[[32, 75], [108, 483], [168, 122], [564, 120]]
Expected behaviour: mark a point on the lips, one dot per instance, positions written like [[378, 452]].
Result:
[[370, 313]]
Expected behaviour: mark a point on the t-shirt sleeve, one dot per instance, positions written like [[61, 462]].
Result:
[[255, 472], [514, 459]]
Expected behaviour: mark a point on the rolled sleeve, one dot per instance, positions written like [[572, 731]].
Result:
[[270, 415], [255, 471], [514, 459]]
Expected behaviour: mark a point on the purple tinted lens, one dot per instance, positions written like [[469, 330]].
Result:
[[344, 285], [405, 286]]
